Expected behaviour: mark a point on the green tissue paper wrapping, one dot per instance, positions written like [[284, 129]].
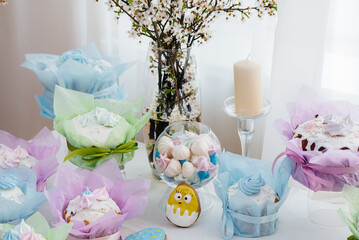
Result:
[[69, 104], [41, 226]]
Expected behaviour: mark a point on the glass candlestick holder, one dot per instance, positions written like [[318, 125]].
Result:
[[246, 124]]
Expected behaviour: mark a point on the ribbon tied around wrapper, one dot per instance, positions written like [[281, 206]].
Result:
[[92, 154], [310, 169], [227, 226], [228, 216]]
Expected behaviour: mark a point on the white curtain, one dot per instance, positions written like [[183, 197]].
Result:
[[50, 26], [317, 46], [340, 78]]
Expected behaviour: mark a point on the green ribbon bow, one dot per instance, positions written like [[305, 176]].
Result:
[[92, 154]]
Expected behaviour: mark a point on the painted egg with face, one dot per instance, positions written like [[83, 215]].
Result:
[[183, 206]]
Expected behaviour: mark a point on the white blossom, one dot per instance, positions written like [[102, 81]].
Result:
[[182, 23]]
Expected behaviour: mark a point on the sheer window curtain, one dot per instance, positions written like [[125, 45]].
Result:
[[297, 60], [318, 47], [50, 26]]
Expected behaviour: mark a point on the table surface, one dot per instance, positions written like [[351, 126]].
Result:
[[293, 221]]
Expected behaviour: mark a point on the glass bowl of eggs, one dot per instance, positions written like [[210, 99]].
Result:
[[187, 152]]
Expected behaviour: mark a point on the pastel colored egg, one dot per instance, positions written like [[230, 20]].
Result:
[[183, 206], [180, 152], [148, 233]]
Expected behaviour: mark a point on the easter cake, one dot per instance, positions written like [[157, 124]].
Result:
[[90, 206], [328, 132]]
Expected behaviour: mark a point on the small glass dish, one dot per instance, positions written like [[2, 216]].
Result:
[[187, 152]]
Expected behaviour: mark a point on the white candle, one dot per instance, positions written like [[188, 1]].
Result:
[[247, 88]]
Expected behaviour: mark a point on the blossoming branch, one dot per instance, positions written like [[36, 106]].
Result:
[[176, 24]]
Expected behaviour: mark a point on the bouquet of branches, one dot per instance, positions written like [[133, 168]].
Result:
[[174, 26]]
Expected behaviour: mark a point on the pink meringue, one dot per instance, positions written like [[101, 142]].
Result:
[[205, 166], [21, 152], [195, 158], [87, 201], [8, 158], [162, 162], [101, 194], [31, 236]]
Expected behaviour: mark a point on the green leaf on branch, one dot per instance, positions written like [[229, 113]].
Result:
[[167, 91], [246, 14]]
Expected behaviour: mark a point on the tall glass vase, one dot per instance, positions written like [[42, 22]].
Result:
[[171, 83]]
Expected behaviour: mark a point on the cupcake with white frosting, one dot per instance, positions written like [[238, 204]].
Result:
[[252, 188], [100, 201], [90, 206], [97, 125]]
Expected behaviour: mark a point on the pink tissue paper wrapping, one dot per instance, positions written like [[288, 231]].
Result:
[[44, 147], [320, 171], [130, 195]]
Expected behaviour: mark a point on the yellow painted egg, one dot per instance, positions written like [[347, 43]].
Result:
[[183, 206]]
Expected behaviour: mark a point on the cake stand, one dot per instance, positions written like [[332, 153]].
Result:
[[246, 125]]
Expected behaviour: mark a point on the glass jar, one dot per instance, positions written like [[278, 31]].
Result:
[[171, 92], [187, 152]]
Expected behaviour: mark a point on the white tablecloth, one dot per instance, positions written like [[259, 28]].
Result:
[[293, 222]]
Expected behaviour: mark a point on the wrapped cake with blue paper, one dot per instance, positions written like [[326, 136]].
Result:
[[84, 70], [18, 196], [251, 194]]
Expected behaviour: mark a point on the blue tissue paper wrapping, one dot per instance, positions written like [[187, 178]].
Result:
[[83, 70], [241, 215], [11, 211]]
